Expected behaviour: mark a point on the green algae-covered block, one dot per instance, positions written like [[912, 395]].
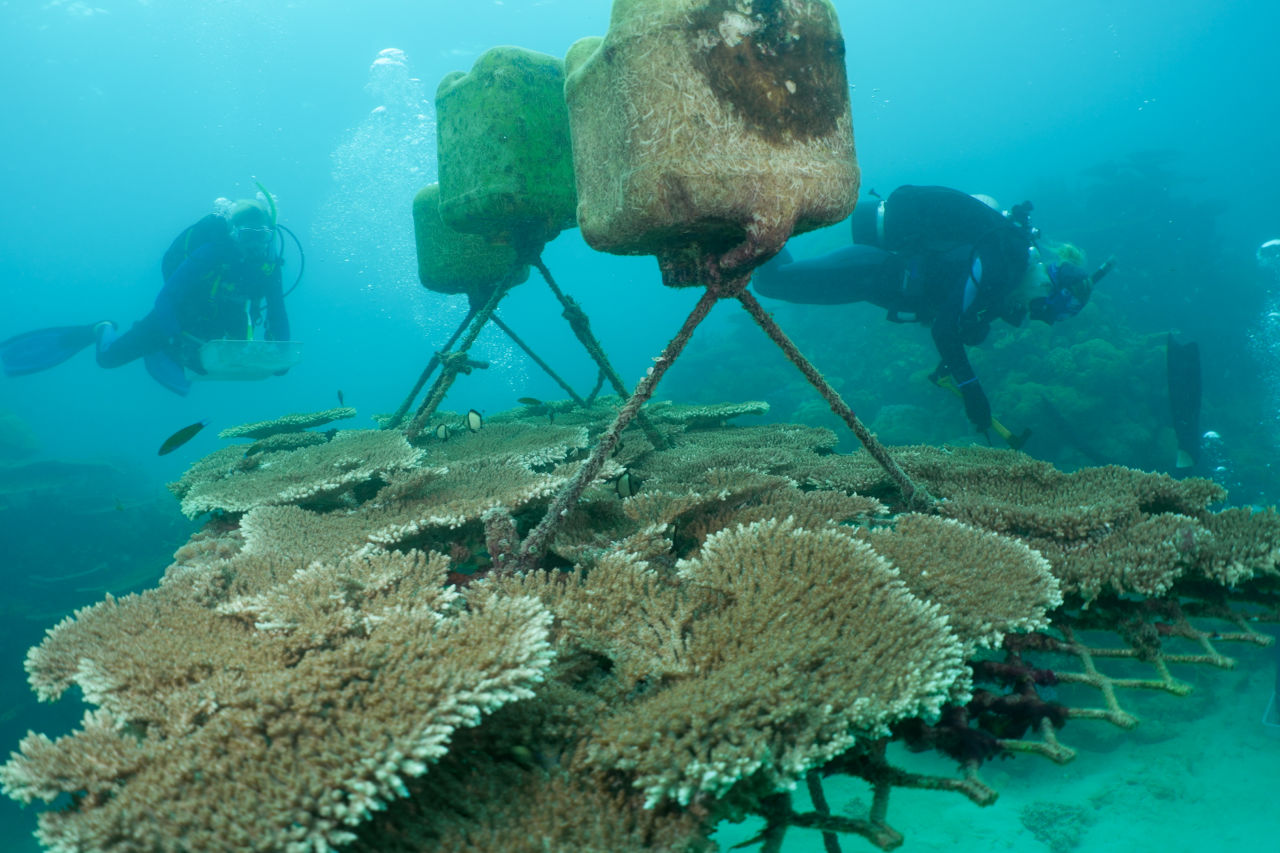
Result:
[[710, 128], [506, 164], [452, 262]]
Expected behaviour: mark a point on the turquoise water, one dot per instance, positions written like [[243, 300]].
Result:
[[1147, 132]]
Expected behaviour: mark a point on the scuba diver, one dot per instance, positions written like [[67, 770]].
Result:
[[222, 282], [956, 262]]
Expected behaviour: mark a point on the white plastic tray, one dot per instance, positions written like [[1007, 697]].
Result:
[[241, 360]]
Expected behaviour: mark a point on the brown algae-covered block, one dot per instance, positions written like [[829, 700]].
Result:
[[710, 122], [506, 164]]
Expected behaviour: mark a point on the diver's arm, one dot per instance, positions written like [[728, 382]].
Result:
[[946, 338]]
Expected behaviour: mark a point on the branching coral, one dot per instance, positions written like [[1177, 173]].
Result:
[[703, 417], [524, 444], [1104, 530], [789, 451], [454, 498], [275, 720], [288, 423], [988, 584], [320, 474], [1245, 543], [1147, 556], [770, 672], [741, 622]]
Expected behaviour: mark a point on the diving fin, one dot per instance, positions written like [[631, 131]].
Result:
[[41, 349], [1182, 363]]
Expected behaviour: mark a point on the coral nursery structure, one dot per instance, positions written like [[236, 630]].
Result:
[[337, 662]]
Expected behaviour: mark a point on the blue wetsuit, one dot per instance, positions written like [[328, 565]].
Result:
[[216, 292], [925, 254]]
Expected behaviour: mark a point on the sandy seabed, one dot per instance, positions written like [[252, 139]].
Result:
[[1199, 773]]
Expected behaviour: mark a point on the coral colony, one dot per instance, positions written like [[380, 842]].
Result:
[[610, 622], [761, 613]]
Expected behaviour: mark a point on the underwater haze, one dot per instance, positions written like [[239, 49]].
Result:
[[1147, 132]]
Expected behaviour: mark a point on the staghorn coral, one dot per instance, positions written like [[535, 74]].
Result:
[[321, 474], [288, 423], [988, 584], [277, 719]]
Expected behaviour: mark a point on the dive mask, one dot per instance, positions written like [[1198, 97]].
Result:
[[254, 236], [1069, 290]]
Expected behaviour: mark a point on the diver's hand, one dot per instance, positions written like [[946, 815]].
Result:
[[976, 405]]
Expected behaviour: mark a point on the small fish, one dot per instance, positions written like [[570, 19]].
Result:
[[530, 401], [627, 484], [341, 402], [442, 432], [523, 756], [181, 437], [474, 420]]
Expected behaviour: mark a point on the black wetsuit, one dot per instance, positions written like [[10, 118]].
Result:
[[926, 254], [215, 293]]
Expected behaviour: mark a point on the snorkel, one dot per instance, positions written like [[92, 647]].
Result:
[[275, 224]]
